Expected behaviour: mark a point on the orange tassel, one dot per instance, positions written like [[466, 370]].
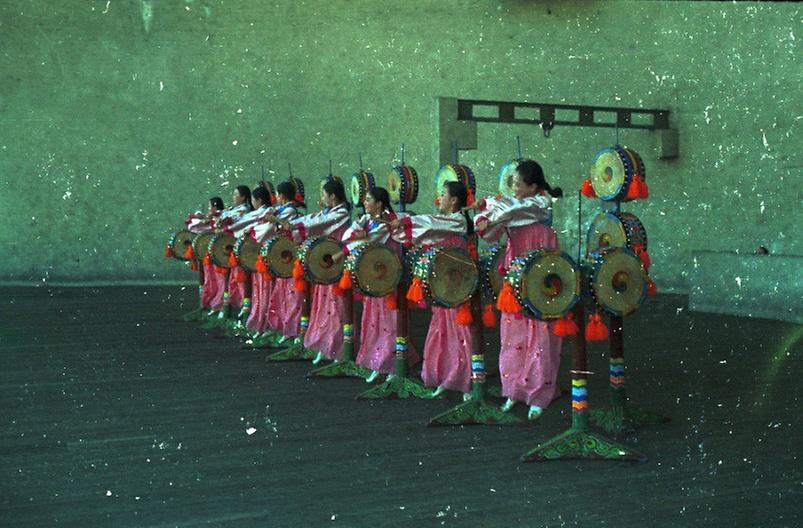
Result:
[[415, 292], [489, 316], [301, 285], [260, 265], [652, 289], [587, 189], [565, 326], [232, 259], [299, 197], [643, 188], [221, 270], [189, 253], [469, 196], [596, 329], [437, 202], [337, 290], [633, 191], [464, 314], [298, 270], [169, 251], [390, 302], [507, 301], [645, 259], [345, 281], [194, 265], [207, 260]]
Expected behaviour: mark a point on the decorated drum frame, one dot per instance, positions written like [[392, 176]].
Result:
[[265, 250], [353, 262], [522, 264], [303, 251], [595, 261], [188, 241], [423, 270]]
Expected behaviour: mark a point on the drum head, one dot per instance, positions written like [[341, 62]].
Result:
[[318, 262], [609, 176], [247, 251], [550, 284], [200, 244], [454, 172], [506, 178], [619, 282], [454, 277], [179, 243], [394, 184], [606, 230], [280, 255], [220, 247], [378, 270]]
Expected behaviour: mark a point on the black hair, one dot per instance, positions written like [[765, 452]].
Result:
[[288, 190], [335, 187], [459, 190], [216, 202], [532, 174], [380, 194], [261, 193], [245, 192]]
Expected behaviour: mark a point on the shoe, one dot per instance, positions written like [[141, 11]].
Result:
[[438, 391], [318, 358], [372, 377], [535, 412], [391, 377], [507, 405], [467, 396]]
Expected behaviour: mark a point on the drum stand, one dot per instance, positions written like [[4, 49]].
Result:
[[399, 385], [198, 314], [296, 351], [345, 366], [578, 442], [476, 410], [620, 419]]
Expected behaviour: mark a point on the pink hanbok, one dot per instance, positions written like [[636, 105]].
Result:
[[378, 325], [239, 228], [448, 347], [325, 331], [529, 358]]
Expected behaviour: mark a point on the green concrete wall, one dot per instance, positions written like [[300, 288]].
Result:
[[119, 117]]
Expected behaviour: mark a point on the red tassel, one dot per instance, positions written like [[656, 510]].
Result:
[[588, 189], [298, 270], [301, 285], [390, 302], [189, 253], [299, 198], [645, 259], [488, 316], [469, 196], [169, 251], [633, 191], [415, 292], [643, 188], [207, 260], [232, 259], [345, 281], [260, 265], [221, 270], [464, 314], [596, 329], [565, 326], [437, 202], [337, 290], [240, 275], [652, 289], [194, 265], [472, 250], [507, 301]]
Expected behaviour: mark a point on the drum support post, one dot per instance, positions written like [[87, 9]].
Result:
[[296, 351], [345, 366], [399, 386], [476, 410], [620, 418], [578, 442]]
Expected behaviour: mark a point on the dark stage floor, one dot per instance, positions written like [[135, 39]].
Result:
[[114, 414]]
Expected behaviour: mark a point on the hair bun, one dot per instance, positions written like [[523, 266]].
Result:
[[556, 192]]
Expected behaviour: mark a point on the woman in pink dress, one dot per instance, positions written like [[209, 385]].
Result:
[[199, 222], [378, 324], [449, 345], [530, 353], [324, 333]]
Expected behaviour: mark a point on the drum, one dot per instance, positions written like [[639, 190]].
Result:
[[247, 251], [546, 283], [403, 184], [200, 244], [279, 254], [220, 247], [448, 274], [375, 269], [613, 171], [315, 255], [361, 183], [617, 280], [455, 172], [616, 230], [506, 174], [179, 242], [491, 278]]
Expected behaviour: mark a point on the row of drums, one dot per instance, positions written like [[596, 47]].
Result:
[[547, 283]]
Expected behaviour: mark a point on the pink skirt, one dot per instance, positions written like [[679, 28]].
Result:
[[447, 352], [236, 290], [214, 286], [325, 332], [260, 295], [529, 360], [378, 337], [284, 307]]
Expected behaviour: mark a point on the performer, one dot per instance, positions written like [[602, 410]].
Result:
[[199, 222], [530, 353], [284, 304], [324, 333], [449, 345], [378, 326]]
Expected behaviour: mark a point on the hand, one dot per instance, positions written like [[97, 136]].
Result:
[[482, 225], [359, 233], [337, 257], [395, 224]]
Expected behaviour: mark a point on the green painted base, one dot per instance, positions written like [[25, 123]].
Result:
[[295, 352], [399, 387], [494, 390], [622, 420], [340, 369], [474, 412], [195, 315], [582, 444], [214, 322], [272, 340], [235, 328]]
